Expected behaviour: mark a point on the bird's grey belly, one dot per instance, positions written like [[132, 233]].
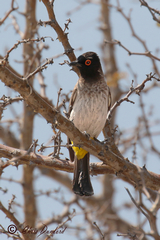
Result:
[[89, 114]]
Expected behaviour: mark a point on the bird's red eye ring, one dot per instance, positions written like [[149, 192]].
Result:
[[88, 62]]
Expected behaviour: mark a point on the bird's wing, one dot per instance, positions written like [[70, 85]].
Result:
[[109, 99], [71, 103], [72, 99]]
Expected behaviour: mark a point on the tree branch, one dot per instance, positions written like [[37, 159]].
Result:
[[137, 90], [147, 53], [109, 154], [62, 36], [151, 10], [8, 13]]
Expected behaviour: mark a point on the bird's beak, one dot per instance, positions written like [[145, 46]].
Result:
[[75, 63]]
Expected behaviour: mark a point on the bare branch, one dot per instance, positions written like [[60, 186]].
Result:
[[137, 90], [151, 10], [61, 35], [99, 230], [147, 54], [24, 41], [143, 42], [9, 12], [11, 217], [39, 69]]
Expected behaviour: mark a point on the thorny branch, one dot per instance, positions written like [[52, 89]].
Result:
[[61, 225], [5, 59], [134, 34], [148, 133], [147, 53], [99, 230], [39, 69], [62, 36], [137, 90], [57, 145], [8, 100], [11, 216], [149, 214], [67, 24], [10, 202], [153, 11], [59, 93], [9, 12]]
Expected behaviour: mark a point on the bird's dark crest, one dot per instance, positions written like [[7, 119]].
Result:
[[93, 70]]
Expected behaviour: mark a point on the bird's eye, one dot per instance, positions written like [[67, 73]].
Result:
[[88, 62]]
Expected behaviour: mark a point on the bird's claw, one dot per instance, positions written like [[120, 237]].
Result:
[[105, 141]]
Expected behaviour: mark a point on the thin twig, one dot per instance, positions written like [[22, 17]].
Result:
[[147, 53], [99, 230], [137, 90], [153, 11], [9, 12], [24, 41], [59, 93]]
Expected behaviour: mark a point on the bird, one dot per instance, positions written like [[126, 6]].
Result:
[[88, 108]]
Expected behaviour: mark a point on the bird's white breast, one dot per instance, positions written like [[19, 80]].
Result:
[[90, 109]]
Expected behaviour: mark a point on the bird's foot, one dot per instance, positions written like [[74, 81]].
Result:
[[105, 141]]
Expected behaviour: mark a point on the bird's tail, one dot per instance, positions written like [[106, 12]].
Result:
[[81, 181]]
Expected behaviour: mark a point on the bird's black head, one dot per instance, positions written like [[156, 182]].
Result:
[[89, 65]]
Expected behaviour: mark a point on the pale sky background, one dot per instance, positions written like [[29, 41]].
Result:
[[83, 32]]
